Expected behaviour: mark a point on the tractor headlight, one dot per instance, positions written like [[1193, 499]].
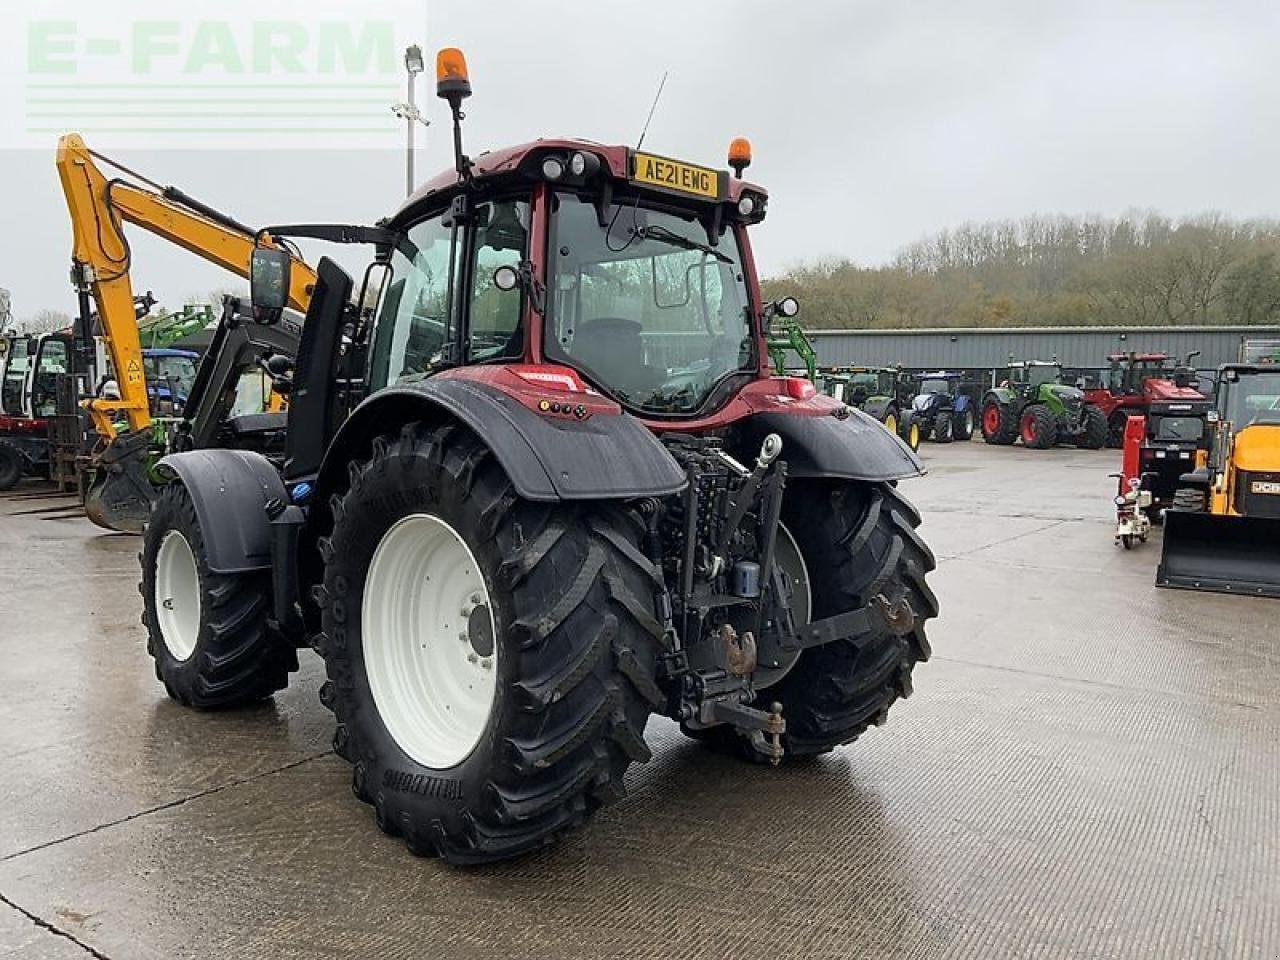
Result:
[[747, 206], [1120, 501]]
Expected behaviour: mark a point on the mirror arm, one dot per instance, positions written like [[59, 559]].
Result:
[[529, 283]]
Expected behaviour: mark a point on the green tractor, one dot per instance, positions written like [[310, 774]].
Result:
[[880, 392], [1034, 404]]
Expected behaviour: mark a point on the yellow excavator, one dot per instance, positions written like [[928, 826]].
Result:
[[119, 489], [1223, 531]]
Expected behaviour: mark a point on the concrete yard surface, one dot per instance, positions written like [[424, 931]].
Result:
[[1089, 767]]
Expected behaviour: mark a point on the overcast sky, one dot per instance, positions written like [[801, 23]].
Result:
[[873, 122]]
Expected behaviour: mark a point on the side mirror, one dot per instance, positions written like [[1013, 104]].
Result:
[[269, 283], [506, 278]]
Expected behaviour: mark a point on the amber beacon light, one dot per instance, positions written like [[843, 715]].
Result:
[[739, 155], [451, 74]]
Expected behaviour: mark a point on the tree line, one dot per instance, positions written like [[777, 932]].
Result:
[[1136, 270]]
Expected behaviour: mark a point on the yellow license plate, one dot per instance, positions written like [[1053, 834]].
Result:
[[1264, 486], [677, 176]]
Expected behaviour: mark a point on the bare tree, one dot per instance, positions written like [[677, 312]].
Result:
[[43, 321]]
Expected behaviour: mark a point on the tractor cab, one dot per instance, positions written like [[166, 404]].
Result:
[[1129, 371], [1034, 373], [629, 269]]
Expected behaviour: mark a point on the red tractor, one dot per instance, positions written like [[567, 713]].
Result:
[[538, 483], [1134, 382]]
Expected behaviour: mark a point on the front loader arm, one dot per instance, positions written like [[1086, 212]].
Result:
[[100, 253]]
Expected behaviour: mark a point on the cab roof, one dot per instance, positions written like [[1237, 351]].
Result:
[[494, 164]]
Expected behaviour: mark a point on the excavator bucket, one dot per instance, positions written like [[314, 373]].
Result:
[[1220, 554], [119, 492]]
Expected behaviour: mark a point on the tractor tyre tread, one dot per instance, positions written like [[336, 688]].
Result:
[[238, 659], [1045, 433], [1096, 430], [859, 540], [1006, 432], [573, 595]]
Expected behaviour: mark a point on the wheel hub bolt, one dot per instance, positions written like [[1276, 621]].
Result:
[[167, 603], [472, 658], [487, 663]]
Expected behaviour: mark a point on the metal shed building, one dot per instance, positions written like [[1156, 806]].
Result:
[[986, 347]]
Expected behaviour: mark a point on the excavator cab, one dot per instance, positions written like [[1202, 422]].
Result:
[[1223, 533]]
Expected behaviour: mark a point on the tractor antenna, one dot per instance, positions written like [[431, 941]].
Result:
[[654, 106]]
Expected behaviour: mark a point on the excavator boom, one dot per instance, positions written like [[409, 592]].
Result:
[[99, 207]]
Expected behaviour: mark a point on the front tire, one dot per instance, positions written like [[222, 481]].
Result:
[[563, 619], [964, 424], [207, 632], [909, 430], [942, 428], [1094, 435], [999, 425]]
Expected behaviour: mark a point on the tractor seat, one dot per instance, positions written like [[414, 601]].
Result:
[[613, 349]]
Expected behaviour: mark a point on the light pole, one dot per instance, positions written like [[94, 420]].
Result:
[[413, 65]]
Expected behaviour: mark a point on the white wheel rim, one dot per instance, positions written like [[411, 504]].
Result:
[[177, 595], [423, 620]]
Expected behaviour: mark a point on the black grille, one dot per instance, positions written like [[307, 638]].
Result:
[[1253, 504]]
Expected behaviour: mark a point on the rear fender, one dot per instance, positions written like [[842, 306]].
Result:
[[999, 395], [857, 447], [231, 491]]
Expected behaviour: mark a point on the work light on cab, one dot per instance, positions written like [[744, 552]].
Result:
[[553, 168]]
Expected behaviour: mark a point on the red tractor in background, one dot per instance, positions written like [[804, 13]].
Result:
[[1134, 382]]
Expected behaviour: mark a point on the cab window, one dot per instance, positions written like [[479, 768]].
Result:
[[501, 239], [413, 321]]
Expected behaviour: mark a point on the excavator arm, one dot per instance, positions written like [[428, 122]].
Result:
[[99, 207]]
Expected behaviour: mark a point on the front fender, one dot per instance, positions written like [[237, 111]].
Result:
[[548, 458], [857, 447], [230, 490]]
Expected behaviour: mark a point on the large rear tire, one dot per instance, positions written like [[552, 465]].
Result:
[[999, 424], [857, 540], [541, 623], [964, 424], [206, 632]]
